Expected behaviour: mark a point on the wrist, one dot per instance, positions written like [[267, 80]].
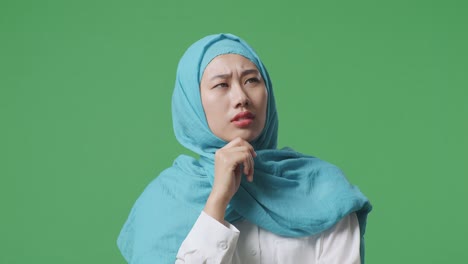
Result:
[[216, 207]]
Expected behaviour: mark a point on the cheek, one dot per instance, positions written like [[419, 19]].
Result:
[[212, 107], [264, 104], [262, 100]]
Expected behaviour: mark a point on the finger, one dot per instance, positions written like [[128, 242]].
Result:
[[246, 162], [237, 172], [237, 142], [252, 168], [231, 155], [242, 157], [250, 173], [236, 155], [239, 154], [240, 149]]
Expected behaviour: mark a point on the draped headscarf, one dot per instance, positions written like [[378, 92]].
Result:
[[292, 195]]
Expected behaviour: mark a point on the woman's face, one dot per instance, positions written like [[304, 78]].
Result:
[[234, 97]]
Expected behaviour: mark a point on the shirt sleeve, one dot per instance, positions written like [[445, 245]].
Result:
[[341, 243], [208, 242]]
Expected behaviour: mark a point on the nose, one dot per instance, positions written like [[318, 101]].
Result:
[[240, 97]]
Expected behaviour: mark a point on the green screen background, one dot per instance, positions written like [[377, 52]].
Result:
[[377, 87]]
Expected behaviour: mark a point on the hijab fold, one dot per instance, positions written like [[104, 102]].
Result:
[[292, 195]]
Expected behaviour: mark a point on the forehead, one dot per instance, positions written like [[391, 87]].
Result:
[[228, 62]]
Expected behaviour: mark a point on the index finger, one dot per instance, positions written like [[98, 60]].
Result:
[[241, 142]]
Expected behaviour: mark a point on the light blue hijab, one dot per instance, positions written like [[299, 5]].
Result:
[[292, 194]]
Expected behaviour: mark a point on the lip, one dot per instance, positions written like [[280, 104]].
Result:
[[243, 119]]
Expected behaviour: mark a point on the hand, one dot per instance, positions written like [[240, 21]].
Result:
[[230, 161]]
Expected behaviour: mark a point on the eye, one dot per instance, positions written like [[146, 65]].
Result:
[[221, 85], [252, 80]]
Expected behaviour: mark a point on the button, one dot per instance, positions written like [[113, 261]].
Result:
[[253, 252], [222, 245]]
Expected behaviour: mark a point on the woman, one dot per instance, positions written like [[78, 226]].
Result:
[[243, 200]]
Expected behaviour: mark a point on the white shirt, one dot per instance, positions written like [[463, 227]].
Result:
[[211, 242]]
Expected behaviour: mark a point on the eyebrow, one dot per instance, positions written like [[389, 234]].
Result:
[[245, 72]]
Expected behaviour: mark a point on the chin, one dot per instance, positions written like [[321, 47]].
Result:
[[248, 136]]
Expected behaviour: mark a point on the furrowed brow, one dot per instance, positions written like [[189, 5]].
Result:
[[249, 71], [220, 76]]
